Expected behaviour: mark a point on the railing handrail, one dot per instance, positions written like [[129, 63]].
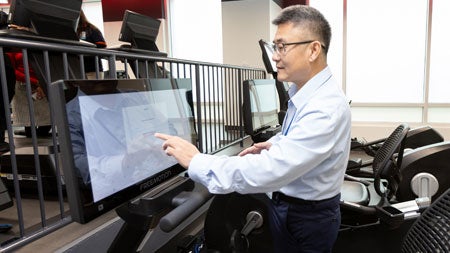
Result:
[[224, 79], [105, 52]]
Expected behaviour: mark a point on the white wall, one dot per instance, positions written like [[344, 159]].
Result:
[[386, 64], [196, 30], [244, 23], [94, 13]]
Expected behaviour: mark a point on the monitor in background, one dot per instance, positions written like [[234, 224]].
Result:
[[105, 131], [139, 30], [267, 52], [18, 14], [48, 18], [260, 106]]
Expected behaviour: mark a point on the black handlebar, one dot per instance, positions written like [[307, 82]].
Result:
[[186, 203]]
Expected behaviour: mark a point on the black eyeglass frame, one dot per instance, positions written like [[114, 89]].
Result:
[[278, 50]]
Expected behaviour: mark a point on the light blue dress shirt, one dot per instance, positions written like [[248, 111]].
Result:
[[306, 160]]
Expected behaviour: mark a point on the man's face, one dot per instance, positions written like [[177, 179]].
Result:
[[292, 63]]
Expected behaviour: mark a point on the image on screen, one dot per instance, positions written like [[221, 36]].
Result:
[[110, 126], [119, 137], [261, 105]]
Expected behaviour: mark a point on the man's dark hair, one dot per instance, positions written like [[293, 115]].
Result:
[[308, 17]]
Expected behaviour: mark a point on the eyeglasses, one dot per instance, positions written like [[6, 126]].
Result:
[[280, 47]]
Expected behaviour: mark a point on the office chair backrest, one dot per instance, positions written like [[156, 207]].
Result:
[[431, 231], [384, 165]]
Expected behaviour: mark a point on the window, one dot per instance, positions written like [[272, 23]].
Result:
[[386, 51], [439, 53], [394, 64]]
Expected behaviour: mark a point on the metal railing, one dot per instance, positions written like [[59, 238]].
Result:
[[217, 96]]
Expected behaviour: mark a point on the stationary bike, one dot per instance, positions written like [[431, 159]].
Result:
[[416, 137], [378, 212]]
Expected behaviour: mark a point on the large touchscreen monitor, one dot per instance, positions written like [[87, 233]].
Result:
[[106, 135]]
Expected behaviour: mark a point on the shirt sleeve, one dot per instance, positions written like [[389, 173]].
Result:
[[96, 37], [307, 160], [308, 143]]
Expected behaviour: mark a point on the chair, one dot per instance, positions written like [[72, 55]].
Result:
[[382, 187], [431, 231]]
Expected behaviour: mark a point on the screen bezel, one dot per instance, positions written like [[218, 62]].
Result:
[[82, 208], [248, 85], [18, 13]]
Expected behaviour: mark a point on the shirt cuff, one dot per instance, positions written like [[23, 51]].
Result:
[[198, 169]]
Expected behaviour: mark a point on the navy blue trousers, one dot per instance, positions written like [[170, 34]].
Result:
[[304, 227]]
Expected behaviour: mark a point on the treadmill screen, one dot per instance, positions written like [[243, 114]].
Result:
[[261, 105], [108, 129]]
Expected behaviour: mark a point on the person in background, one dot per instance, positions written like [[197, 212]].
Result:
[[10, 81], [88, 32], [20, 109], [302, 167]]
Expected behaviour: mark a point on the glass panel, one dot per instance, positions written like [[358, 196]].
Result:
[[386, 114], [439, 115], [439, 63], [192, 38], [386, 50], [332, 10]]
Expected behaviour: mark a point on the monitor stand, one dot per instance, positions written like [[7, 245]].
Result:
[[130, 49], [143, 69], [166, 208], [144, 44]]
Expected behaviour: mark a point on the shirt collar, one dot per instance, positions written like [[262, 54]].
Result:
[[299, 97]]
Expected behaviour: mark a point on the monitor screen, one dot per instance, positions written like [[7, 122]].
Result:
[[267, 52], [139, 30], [49, 18], [105, 131], [261, 105]]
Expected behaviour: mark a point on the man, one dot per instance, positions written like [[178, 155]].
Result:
[[304, 165], [89, 32]]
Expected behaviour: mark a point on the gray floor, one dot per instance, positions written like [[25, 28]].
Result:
[[34, 215]]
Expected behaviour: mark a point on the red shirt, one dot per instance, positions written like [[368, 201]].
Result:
[[17, 62]]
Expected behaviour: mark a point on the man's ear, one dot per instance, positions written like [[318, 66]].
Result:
[[316, 49]]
